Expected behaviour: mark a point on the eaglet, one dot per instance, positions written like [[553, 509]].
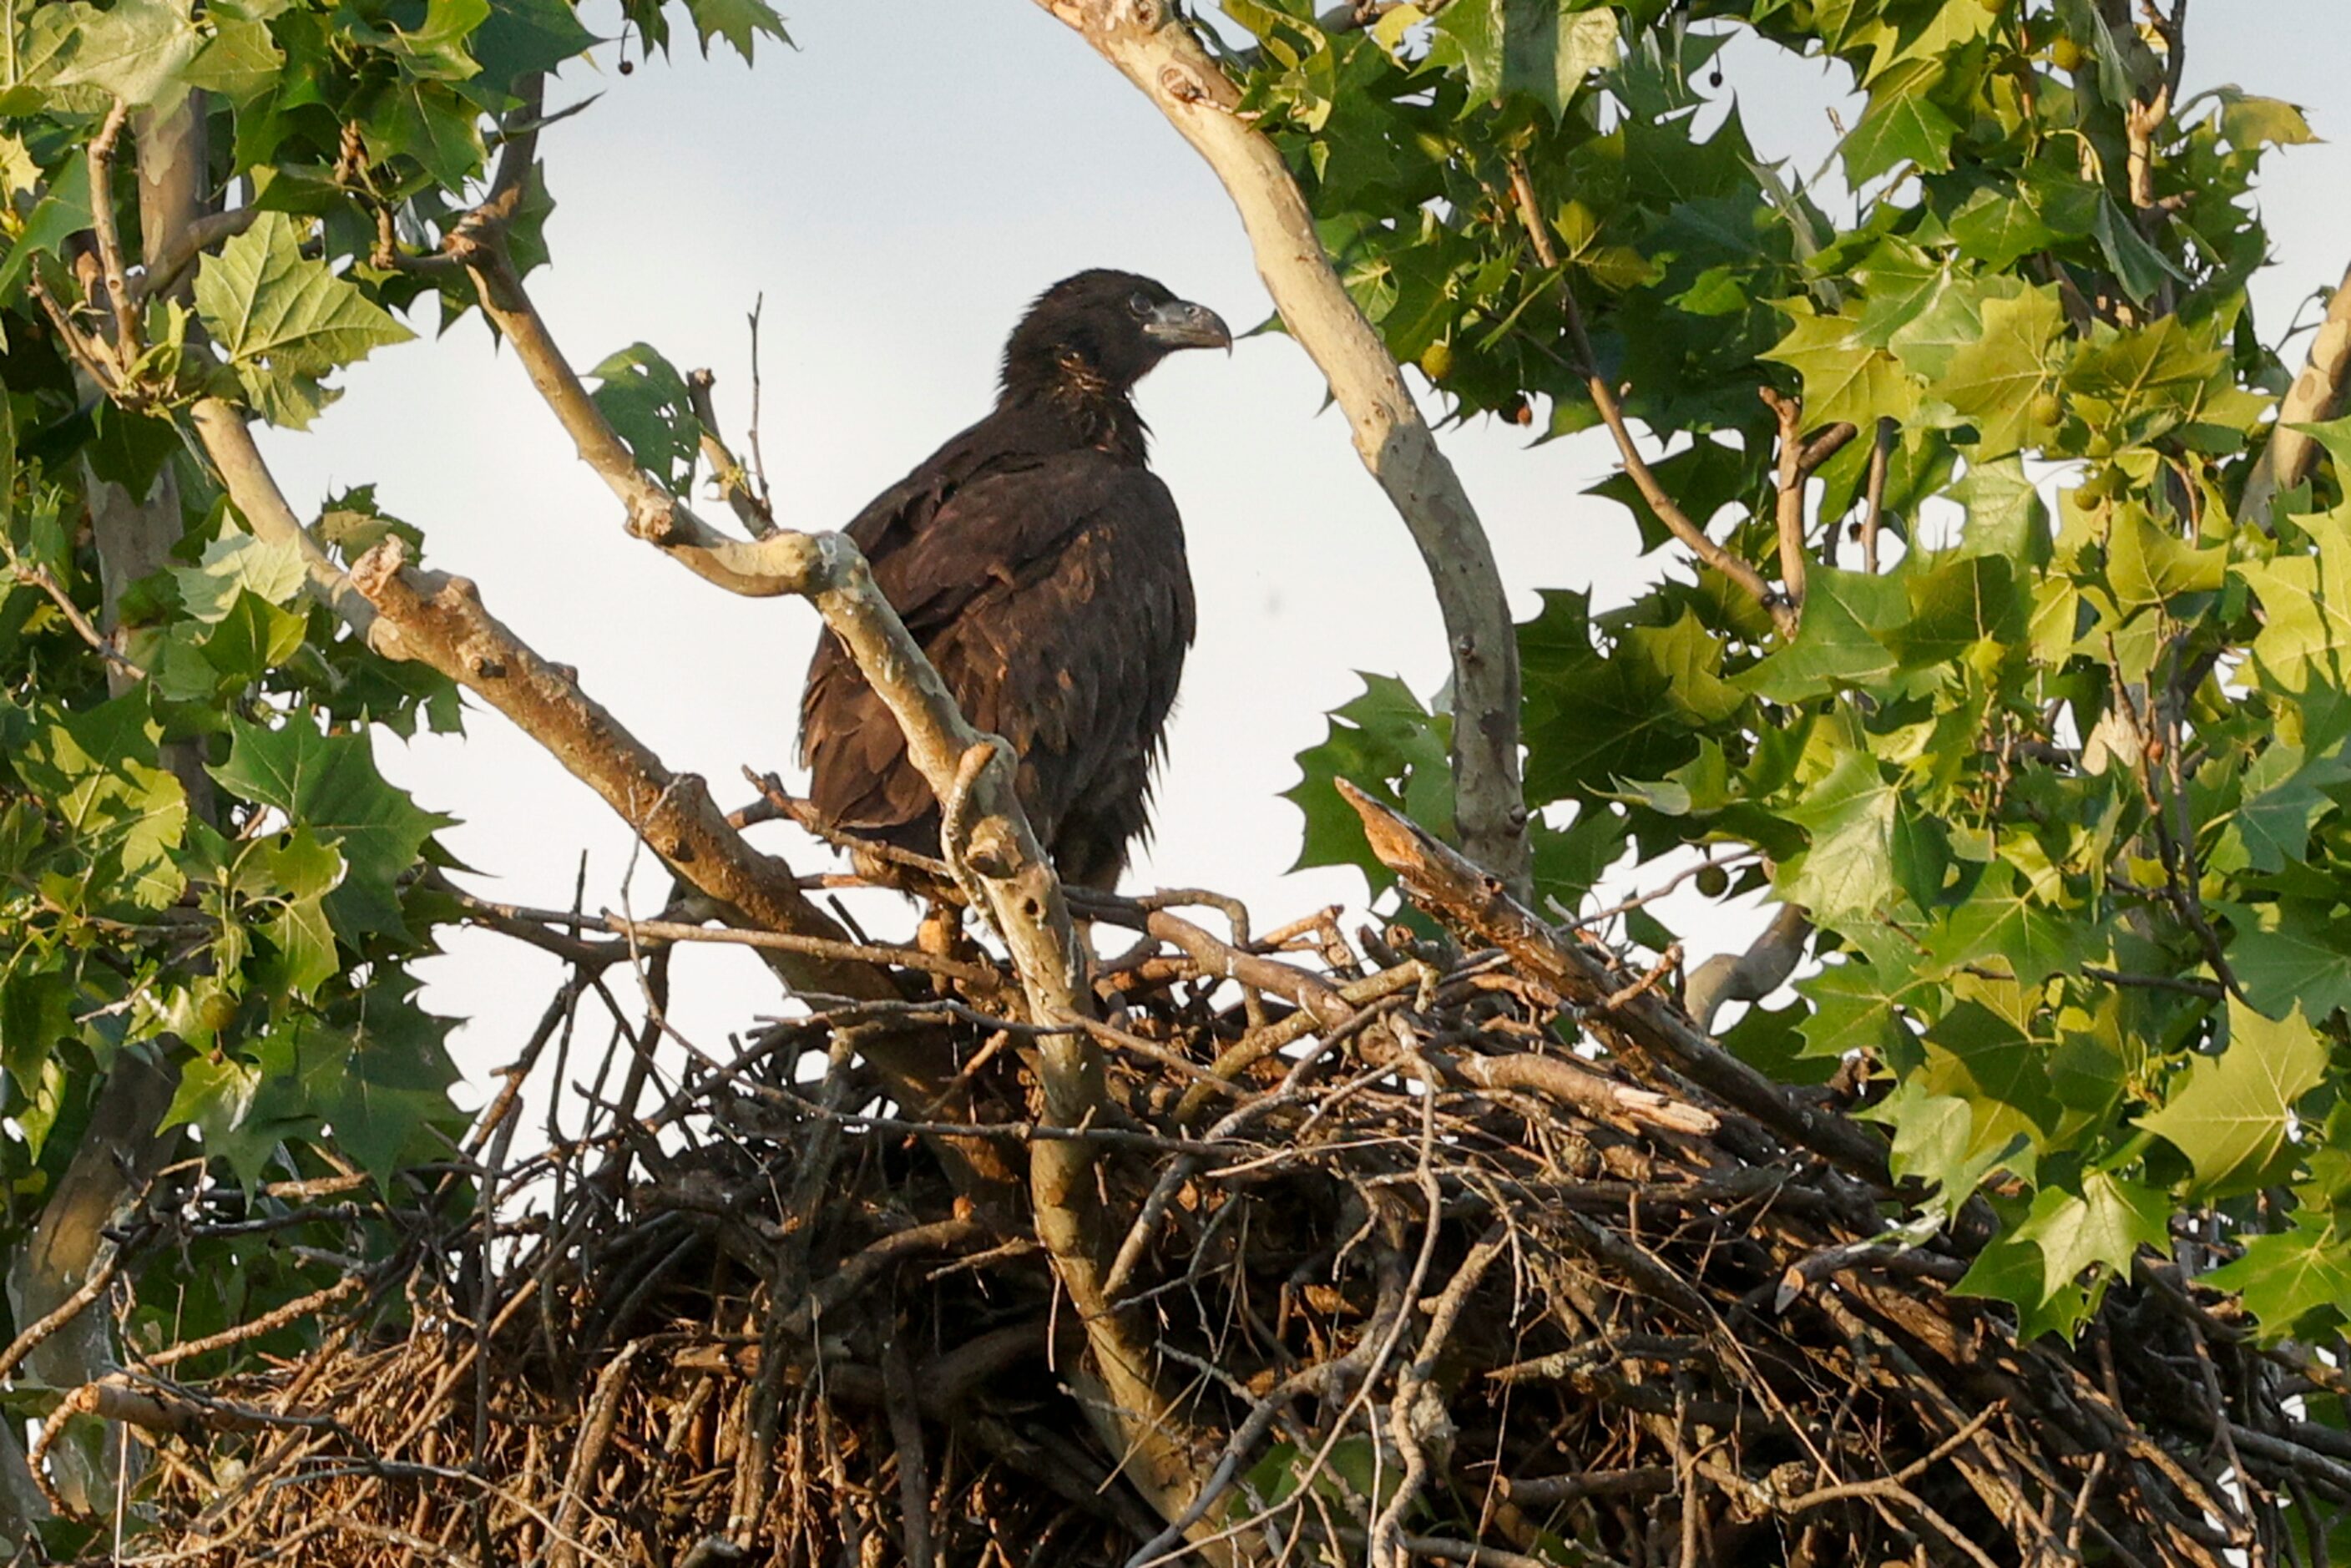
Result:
[[1041, 564]]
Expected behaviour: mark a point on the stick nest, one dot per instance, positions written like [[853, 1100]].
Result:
[[1422, 1275]]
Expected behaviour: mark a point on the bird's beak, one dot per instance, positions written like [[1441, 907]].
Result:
[[1180, 324]]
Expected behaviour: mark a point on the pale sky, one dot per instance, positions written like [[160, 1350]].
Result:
[[898, 189]]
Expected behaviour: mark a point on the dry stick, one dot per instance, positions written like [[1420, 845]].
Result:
[[602, 1413], [1155, 49], [907, 1438], [1647, 1028], [64, 1312], [2316, 395], [1612, 414]]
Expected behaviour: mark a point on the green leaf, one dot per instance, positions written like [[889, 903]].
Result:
[[2293, 1275], [1901, 126], [1838, 644], [522, 37], [2283, 794], [647, 405], [240, 61], [2004, 922], [235, 565], [329, 783], [2103, 1226], [1386, 744], [2232, 1113], [2306, 610], [36, 1013], [1936, 1141], [739, 22], [62, 213], [1848, 869], [2250, 122], [2148, 567], [1992, 381], [126, 815], [2287, 955], [284, 320], [1542, 48], [135, 51], [1845, 378]]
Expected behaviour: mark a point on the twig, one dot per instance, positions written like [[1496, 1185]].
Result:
[[1612, 414], [1881, 454], [110, 241], [39, 576]]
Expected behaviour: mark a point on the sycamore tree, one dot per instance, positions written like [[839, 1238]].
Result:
[[2050, 794], [1998, 641]]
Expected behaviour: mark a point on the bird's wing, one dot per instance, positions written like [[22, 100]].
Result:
[[1053, 595]]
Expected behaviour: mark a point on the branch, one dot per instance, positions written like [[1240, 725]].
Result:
[[1797, 462], [1881, 455], [110, 242], [2316, 395], [167, 266], [244, 473], [1752, 976], [1640, 1029], [440, 621], [1612, 414], [1158, 52], [750, 508]]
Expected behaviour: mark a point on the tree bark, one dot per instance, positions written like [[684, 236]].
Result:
[[2316, 395], [1158, 52]]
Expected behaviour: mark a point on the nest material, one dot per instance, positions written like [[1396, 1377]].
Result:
[[1419, 1282]]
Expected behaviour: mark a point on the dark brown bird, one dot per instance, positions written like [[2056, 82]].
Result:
[[1041, 564]]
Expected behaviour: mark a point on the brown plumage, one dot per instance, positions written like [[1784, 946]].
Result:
[[1040, 563]]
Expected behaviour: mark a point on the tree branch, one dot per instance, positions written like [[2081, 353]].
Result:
[[2315, 396], [1156, 51], [110, 242], [1641, 1028], [1752, 976], [221, 428]]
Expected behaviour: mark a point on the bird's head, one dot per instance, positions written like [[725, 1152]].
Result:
[[1105, 330]]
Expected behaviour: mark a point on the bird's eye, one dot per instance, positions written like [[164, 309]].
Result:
[[1140, 304]]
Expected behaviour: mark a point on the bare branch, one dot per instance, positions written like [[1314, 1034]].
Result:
[[1750, 975], [39, 576], [751, 508], [1158, 52]]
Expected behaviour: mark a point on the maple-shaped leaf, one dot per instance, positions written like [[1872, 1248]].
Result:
[[2291, 1274], [2232, 1113]]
